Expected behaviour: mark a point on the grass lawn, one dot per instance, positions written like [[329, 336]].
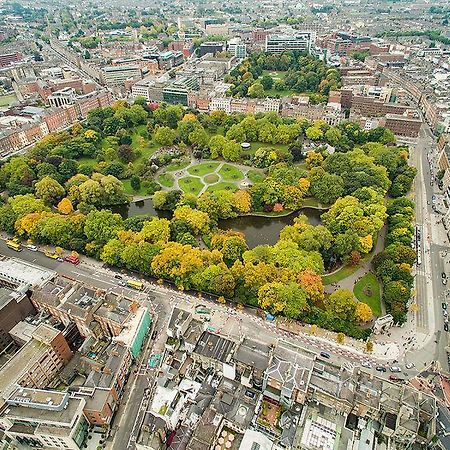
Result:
[[91, 162], [222, 186], [339, 275], [177, 166], [211, 178], [367, 290], [166, 179], [255, 176], [130, 191], [6, 100], [255, 145], [203, 169], [191, 184], [231, 173]]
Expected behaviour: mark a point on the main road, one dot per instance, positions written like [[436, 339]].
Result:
[[428, 286]]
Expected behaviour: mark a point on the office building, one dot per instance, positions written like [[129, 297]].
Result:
[[211, 47], [178, 91], [116, 75], [301, 41], [237, 48], [402, 125], [44, 419]]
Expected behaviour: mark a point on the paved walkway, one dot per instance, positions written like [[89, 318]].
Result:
[[182, 173]]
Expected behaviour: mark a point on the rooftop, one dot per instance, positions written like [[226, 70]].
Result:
[[215, 347], [22, 272], [253, 353]]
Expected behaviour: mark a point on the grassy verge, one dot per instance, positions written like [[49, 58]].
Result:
[[367, 290], [339, 275]]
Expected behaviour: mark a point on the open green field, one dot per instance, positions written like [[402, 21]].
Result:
[[367, 290], [130, 191], [203, 169], [191, 185], [6, 100], [222, 186], [230, 173], [255, 145], [276, 76]]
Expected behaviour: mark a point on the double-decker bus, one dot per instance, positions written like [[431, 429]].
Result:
[[135, 284], [14, 245]]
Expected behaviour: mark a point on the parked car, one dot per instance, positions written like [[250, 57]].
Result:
[[444, 281], [444, 305], [380, 368], [325, 355], [366, 364], [396, 378], [409, 365], [445, 326], [119, 277], [32, 248], [395, 369], [122, 283], [443, 275]]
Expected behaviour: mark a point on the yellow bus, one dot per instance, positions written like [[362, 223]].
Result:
[[135, 284], [14, 245]]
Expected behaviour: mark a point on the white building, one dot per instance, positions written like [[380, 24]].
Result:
[[65, 96], [301, 40], [116, 75], [220, 103], [237, 48]]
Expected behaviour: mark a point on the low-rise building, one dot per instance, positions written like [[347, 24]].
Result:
[[402, 125]]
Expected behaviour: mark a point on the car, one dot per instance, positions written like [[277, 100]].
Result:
[[396, 378], [325, 355], [409, 365], [444, 305], [444, 281], [32, 248], [119, 277], [366, 364], [122, 283], [445, 326], [380, 368], [395, 369], [443, 275], [445, 313]]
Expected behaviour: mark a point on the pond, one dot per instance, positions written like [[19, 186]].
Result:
[[258, 230], [266, 230]]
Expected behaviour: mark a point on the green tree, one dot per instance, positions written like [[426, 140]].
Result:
[[135, 183], [49, 190], [164, 136], [341, 304]]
